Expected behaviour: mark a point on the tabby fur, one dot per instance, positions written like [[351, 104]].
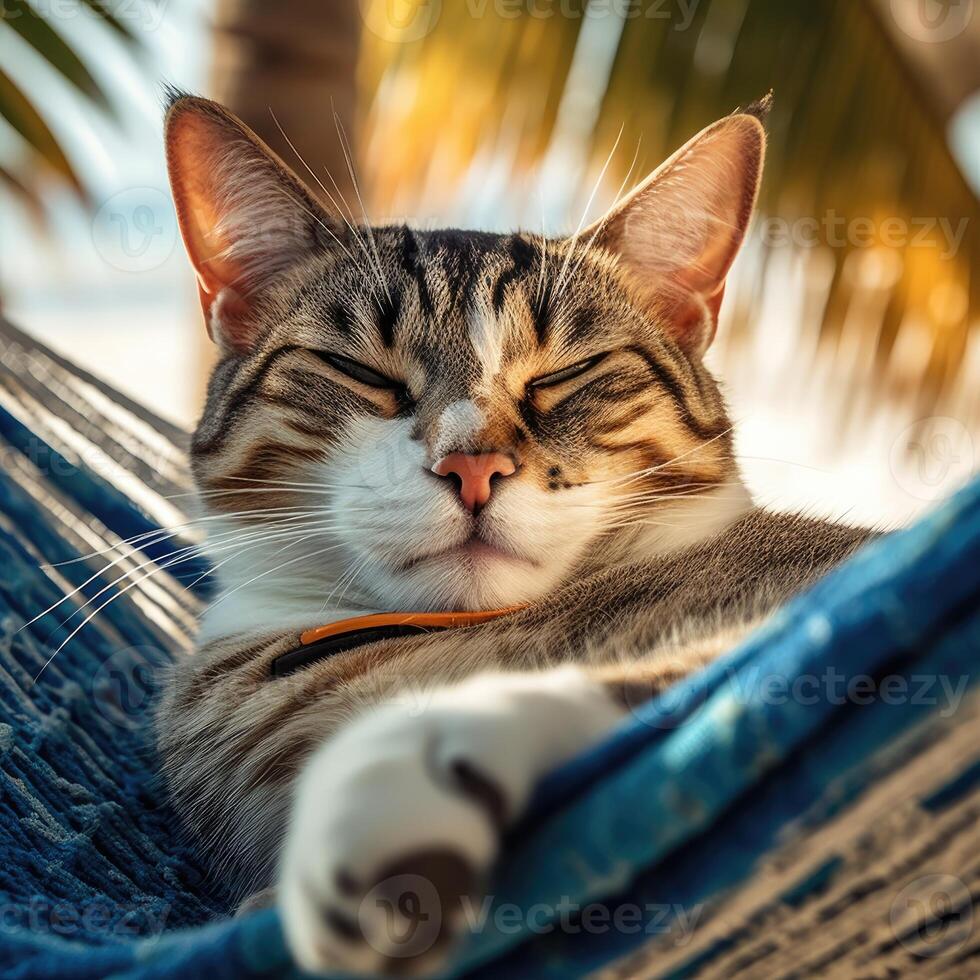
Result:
[[626, 533]]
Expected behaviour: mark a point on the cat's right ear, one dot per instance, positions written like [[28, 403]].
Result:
[[244, 216], [677, 234]]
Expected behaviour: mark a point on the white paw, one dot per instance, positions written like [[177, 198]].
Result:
[[397, 819]]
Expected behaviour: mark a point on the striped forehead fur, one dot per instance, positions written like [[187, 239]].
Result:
[[455, 323]]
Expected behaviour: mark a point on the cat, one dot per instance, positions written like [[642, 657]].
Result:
[[406, 420]]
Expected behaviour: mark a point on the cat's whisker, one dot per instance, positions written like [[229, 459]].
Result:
[[601, 224], [543, 271], [135, 543], [320, 222], [645, 521], [288, 483], [610, 528], [642, 506], [208, 494], [639, 474], [336, 202], [349, 577], [167, 561], [376, 283], [353, 224], [105, 568], [277, 536], [560, 284], [68, 595], [695, 490], [348, 157], [141, 540], [660, 506], [269, 486], [665, 493], [277, 568], [714, 491], [307, 533]]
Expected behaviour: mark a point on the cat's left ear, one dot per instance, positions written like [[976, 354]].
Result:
[[677, 234], [245, 217]]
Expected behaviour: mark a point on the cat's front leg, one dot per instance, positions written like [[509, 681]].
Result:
[[397, 819]]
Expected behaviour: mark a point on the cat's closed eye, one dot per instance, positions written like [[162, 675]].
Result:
[[359, 372], [566, 373]]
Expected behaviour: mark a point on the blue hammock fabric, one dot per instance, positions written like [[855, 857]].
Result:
[[676, 808]]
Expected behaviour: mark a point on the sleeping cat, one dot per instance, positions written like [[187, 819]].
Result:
[[433, 421]]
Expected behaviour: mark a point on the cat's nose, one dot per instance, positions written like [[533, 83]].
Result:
[[474, 475]]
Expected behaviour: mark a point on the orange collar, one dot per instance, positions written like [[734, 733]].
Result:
[[346, 634]]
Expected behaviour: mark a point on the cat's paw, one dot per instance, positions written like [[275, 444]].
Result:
[[397, 819]]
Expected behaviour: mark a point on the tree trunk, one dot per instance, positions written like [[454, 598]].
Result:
[[296, 60]]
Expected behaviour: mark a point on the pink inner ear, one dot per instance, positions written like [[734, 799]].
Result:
[[193, 143], [693, 320], [244, 216], [679, 232]]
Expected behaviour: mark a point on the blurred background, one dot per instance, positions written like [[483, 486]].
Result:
[[850, 336]]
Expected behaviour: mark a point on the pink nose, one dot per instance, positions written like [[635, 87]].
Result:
[[474, 474]]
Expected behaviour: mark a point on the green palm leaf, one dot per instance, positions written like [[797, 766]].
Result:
[[38, 33], [33, 25], [17, 109], [104, 10]]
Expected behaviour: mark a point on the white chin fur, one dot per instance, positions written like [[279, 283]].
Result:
[[386, 512]]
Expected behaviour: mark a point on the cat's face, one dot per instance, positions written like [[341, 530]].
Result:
[[449, 420]]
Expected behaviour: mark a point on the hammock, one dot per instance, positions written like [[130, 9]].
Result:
[[756, 820]]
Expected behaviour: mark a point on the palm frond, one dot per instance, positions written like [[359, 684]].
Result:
[[106, 10], [38, 33], [46, 156], [18, 110]]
